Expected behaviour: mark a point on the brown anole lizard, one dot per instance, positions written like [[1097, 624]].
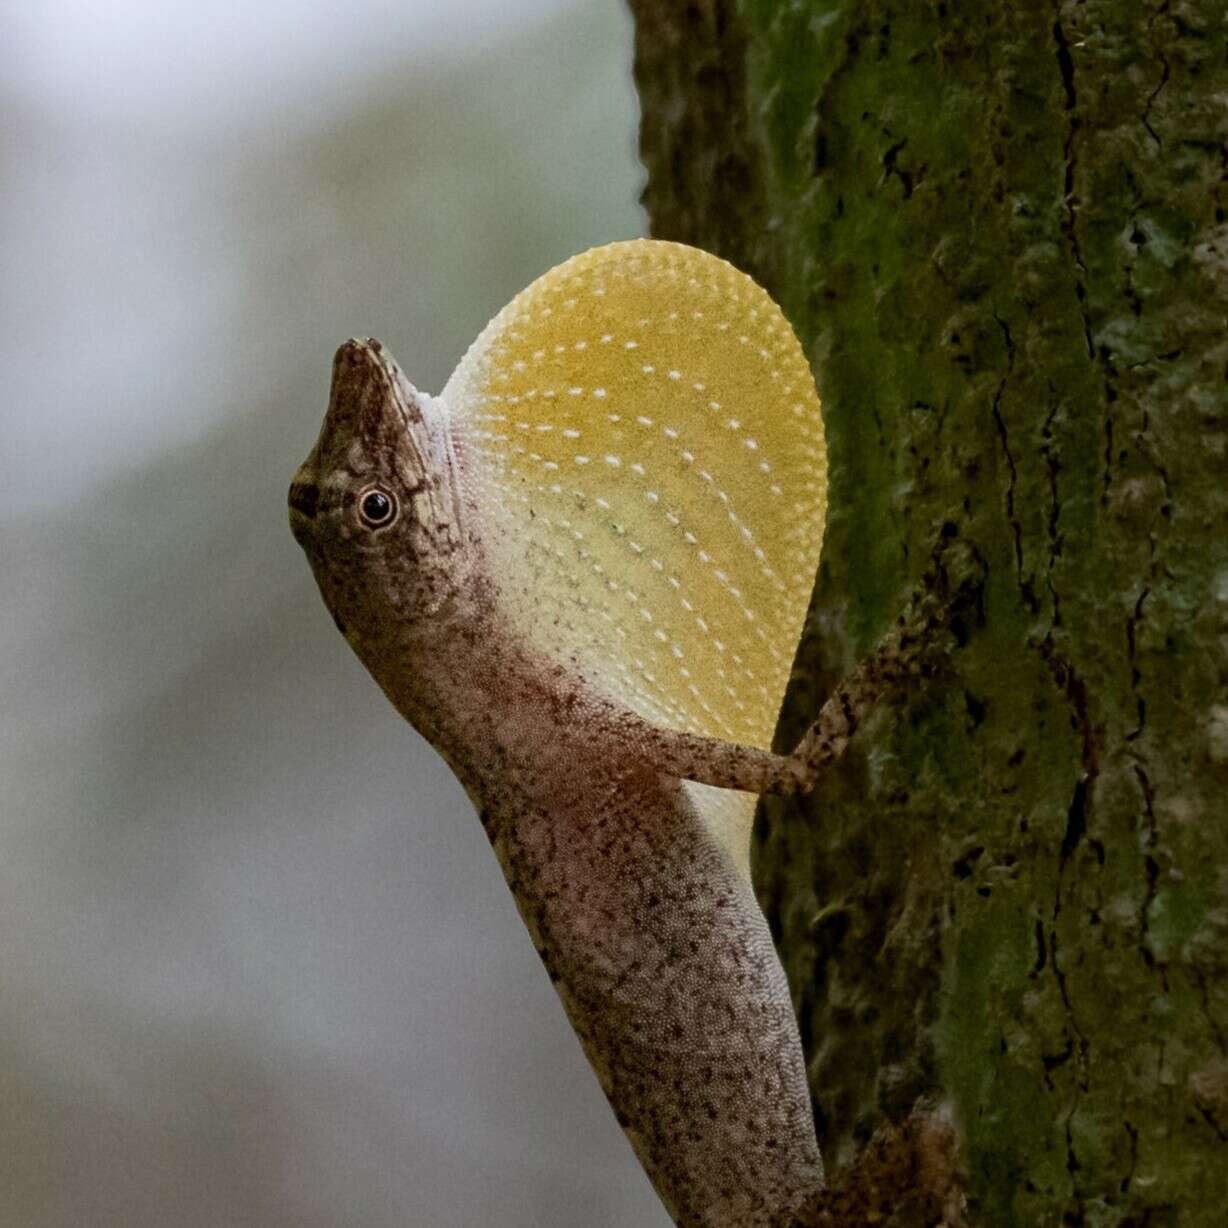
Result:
[[580, 572]]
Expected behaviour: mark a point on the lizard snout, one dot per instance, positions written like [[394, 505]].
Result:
[[304, 498]]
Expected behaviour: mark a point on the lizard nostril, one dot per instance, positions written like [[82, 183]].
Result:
[[305, 498]]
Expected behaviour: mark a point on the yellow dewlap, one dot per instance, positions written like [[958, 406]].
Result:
[[644, 432]]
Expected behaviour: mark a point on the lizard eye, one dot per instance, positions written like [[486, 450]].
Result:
[[377, 508]]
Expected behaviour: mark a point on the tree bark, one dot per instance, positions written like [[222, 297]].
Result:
[[1000, 231]]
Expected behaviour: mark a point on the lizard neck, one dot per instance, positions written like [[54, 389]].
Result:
[[469, 683]]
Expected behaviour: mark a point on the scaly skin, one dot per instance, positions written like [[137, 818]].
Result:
[[651, 935], [575, 728], [643, 916]]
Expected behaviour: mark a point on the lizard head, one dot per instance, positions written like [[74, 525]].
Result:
[[376, 506]]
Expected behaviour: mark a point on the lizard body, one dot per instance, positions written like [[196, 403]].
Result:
[[435, 542]]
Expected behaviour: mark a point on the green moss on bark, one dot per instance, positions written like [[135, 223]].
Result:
[[1000, 231]]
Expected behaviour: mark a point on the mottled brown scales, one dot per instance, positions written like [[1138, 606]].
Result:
[[587, 596]]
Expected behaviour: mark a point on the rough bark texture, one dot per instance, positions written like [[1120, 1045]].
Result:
[[1000, 230]]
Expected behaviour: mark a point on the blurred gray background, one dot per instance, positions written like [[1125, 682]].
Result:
[[257, 963]]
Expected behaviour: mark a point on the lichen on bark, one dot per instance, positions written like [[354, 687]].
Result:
[[1002, 234]]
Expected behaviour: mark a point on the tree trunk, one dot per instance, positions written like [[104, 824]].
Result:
[[1000, 232]]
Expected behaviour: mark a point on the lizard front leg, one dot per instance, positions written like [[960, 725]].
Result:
[[910, 650]]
